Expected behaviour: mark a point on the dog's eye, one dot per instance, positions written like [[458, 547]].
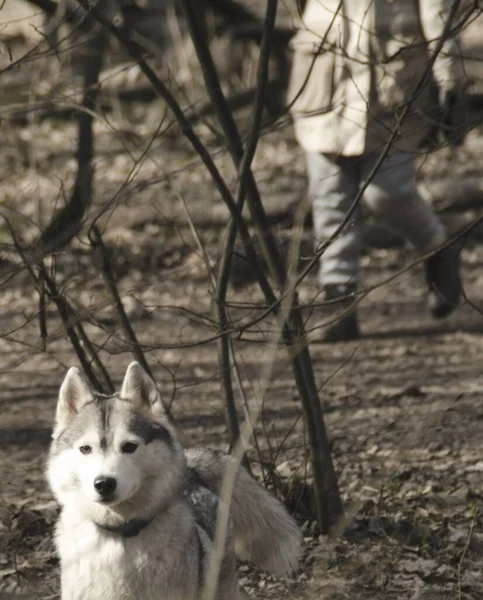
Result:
[[129, 448], [85, 449]]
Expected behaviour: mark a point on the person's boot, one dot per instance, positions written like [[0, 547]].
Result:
[[443, 278], [340, 298]]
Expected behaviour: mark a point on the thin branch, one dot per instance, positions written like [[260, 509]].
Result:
[[329, 504], [224, 268], [68, 222], [106, 269], [465, 550], [78, 337], [232, 137], [189, 133]]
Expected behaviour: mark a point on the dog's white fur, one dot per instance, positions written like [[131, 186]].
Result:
[[169, 557]]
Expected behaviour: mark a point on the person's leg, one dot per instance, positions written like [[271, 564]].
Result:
[[333, 185], [392, 197]]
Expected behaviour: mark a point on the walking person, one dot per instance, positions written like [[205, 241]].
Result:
[[357, 65]]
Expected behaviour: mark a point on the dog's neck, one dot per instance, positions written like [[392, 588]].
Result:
[[133, 527], [130, 528]]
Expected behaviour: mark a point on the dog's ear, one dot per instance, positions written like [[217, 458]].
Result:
[[139, 389], [74, 393]]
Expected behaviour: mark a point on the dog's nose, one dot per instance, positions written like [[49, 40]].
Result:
[[106, 486]]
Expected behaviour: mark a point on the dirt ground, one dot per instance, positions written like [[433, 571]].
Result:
[[402, 406]]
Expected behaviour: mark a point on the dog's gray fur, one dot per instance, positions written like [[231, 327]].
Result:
[[152, 537]]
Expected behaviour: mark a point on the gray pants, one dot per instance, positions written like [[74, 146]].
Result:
[[392, 197]]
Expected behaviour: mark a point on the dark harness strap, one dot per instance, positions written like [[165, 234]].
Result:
[[129, 528], [133, 527]]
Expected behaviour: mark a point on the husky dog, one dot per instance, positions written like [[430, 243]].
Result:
[[139, 512]]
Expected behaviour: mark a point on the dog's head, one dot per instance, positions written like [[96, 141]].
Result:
[[114, 455]]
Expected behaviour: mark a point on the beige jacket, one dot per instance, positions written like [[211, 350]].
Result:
[[355, 65]]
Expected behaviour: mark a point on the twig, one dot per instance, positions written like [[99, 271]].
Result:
[[329, 504], [232, 470], [224, 268], [106, 269], [465, 549], [78, 337], [71, 323], [42, 314], [67, 223], [189, 133], [38, 283], [231, 414], [233, 140]]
